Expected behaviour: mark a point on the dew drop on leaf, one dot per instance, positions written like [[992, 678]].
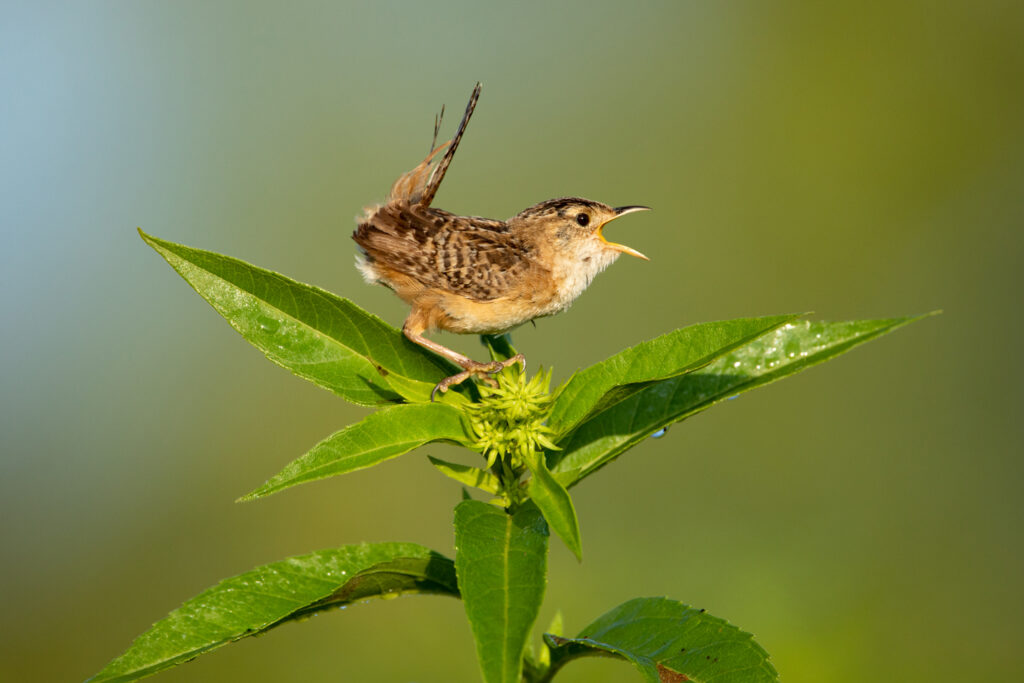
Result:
[[268, 324]]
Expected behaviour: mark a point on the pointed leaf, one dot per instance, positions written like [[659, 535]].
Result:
[[499, 346], [555, 503], [316, 335], [270, 595], [470, 476], [613, 380], [383, 435], [669, 642], [784, 351], [555, 629], [501, 562]]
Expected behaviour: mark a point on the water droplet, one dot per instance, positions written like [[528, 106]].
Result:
[[268, 325], [660, 433], [736, 364]]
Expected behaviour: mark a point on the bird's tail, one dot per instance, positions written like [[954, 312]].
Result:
[[419, 185]]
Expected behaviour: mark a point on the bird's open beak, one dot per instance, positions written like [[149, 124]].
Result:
[[619, 212]]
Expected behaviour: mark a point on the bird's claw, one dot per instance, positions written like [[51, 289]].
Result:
[[484, 371]]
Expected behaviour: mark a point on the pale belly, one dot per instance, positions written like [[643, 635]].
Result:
[[464, 316]]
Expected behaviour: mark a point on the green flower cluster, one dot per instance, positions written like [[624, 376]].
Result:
[[508, 422]]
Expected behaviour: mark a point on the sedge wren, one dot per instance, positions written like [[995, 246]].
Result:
[[472, 275]]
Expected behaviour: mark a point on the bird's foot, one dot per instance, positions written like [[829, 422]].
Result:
[[483, 370]]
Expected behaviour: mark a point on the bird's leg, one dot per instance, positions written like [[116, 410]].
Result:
[[470, 367]]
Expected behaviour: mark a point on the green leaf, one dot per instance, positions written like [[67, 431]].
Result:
[[501, 562], [668, 642], [270, 595], [316, 335], [499, 346], [554, 501], [789, 349], [470, 476], [555, 629], [611, 381], [383, 435]]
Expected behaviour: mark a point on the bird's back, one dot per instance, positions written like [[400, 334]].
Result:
[[478, 258]]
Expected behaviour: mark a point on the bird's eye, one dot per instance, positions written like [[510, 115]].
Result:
[[582, 219]]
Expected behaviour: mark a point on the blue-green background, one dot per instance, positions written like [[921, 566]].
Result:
[[856, 159]]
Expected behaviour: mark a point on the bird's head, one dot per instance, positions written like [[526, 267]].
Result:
[[575, 225]]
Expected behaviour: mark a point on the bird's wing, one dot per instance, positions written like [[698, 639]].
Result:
[[473, 257]]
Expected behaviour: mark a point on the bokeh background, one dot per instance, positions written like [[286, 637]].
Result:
[[854, 159]]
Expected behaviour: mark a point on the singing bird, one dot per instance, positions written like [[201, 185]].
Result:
[[472, 275]]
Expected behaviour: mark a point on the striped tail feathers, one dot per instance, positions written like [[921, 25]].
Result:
[[419, 185], [410, 186], [437, 175], [438, 120]]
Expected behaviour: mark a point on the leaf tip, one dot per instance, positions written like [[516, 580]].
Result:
[[575, 544], [900, 322], [251, 496], [149, 239]]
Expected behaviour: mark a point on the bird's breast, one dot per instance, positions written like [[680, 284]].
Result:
[[574, 271]]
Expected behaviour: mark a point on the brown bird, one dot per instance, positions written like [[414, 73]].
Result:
[[473, 275]]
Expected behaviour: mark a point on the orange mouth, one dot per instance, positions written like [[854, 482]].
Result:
[[619, 212]]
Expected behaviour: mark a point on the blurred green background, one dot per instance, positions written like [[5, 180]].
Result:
[[854, 159]]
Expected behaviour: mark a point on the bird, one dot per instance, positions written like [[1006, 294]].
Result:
[[474, 275]]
